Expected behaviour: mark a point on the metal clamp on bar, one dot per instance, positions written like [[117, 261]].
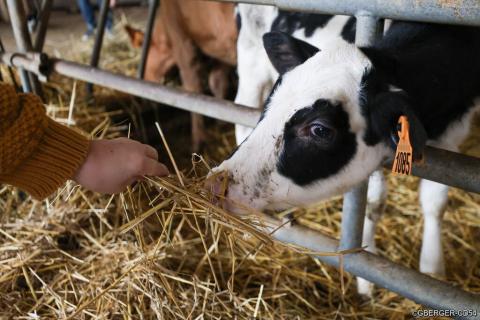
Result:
[[37, 63]]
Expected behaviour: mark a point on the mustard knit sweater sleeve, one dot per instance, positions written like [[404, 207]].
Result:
[[37, 154]]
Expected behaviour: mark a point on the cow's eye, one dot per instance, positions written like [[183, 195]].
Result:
[[320, 131]]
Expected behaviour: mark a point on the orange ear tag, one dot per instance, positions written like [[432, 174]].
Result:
[[404, 154]]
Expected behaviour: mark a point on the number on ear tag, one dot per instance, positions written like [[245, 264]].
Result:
[[402, 163]]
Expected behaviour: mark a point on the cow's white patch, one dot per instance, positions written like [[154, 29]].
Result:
[[457, 131], [255, 72], [433, 198]]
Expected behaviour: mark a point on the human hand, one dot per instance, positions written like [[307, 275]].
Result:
[[112, 165], [113, 3]]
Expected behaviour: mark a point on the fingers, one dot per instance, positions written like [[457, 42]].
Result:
[[151, 152], [152, 167]]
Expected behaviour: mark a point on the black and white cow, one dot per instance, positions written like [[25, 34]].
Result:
[[328, 122], [256, 74]]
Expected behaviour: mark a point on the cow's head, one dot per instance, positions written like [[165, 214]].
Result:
[[160, 57], [326, 126]]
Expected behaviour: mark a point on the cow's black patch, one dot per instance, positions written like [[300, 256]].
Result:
[[349, 30], [304, 159], [436, 66], [289, 22]]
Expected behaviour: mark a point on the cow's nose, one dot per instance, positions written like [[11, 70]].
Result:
[[217, 185]]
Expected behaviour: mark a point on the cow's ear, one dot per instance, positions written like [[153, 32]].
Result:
[[286, 52], [136, 36], [385, 110]]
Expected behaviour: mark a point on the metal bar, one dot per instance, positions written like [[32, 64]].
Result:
[[409, 283], [42, 25], [209, 106], [152, 11], [463, 12], [353, 216], [36, 63], [450, 168], [24, 44], [15, 20], [369, 29], [9, 68], [97, 46], [445, 167]]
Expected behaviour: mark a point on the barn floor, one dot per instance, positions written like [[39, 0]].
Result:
[[67, 28], [87, 256]]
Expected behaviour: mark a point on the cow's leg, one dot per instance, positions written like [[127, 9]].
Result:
[[190, 72], [218, 80], [433, 199], [376, 199], [186, 55]]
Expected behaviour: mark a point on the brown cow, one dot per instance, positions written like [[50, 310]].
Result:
[[185, 30]]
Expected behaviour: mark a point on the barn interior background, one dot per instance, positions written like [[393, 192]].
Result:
[[161, 250]]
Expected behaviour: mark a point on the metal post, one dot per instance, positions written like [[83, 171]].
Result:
[[369, 29], [463, 12], [9, 68], [353, 216], [97, 46], [152, 11], [42, 26], [22, 38]]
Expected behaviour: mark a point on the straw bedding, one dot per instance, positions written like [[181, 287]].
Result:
[[162, 250]]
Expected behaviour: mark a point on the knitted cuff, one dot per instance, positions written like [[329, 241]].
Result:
[[56, 159]]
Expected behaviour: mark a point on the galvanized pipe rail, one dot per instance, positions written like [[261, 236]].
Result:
[[152, 12], [97, 46], [392, 276], [24, 43], [369, 29], [41, 33], [463, 12]]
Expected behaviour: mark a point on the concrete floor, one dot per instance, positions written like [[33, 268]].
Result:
[[67, 27]]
